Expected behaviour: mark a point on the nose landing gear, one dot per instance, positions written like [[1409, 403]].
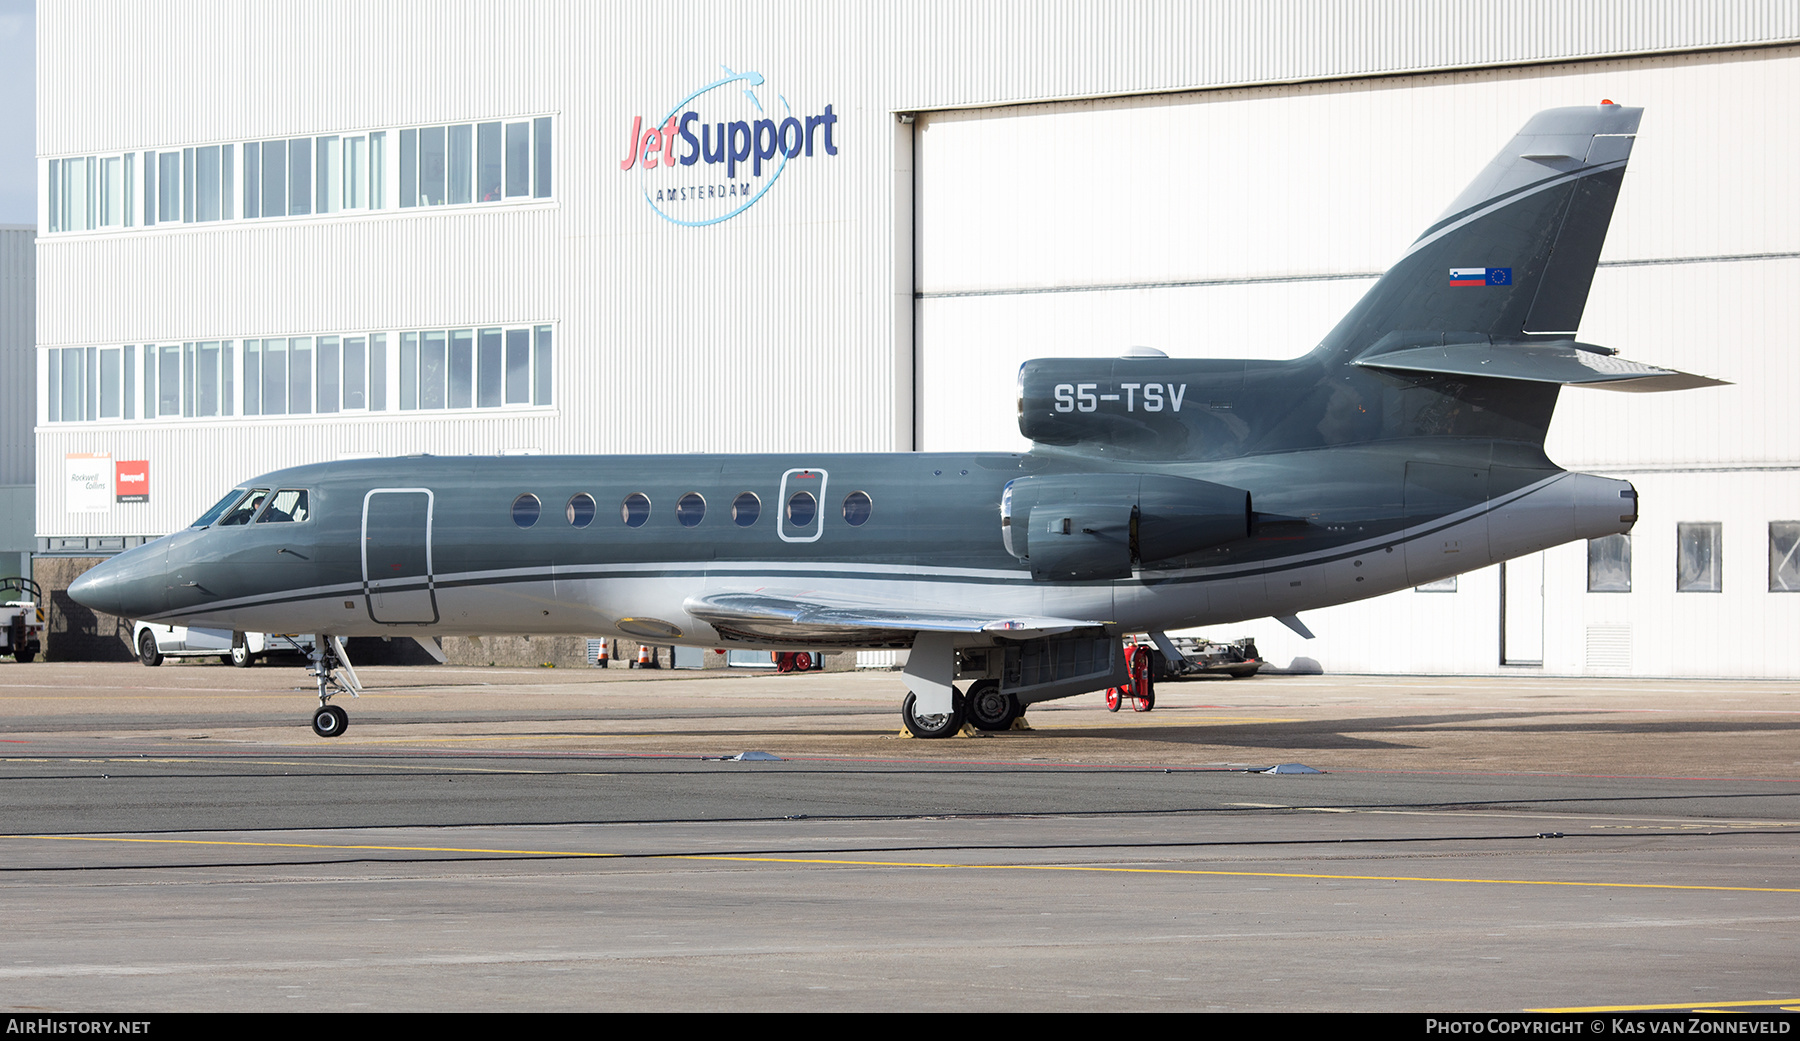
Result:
[[330, 666]]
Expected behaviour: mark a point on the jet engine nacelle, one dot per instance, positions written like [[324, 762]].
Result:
[[1096, 526]]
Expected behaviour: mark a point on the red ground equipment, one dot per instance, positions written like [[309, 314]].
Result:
[[1141, 689], [794, 661]]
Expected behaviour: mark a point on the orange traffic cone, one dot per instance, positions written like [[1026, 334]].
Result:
[[605, 654]]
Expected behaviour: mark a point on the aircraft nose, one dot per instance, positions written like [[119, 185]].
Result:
[[130, 585], [98, 588]]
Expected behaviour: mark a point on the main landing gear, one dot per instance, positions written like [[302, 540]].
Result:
[[931, 724], [935, 708], [330, 666], [989, 708], [984, 708]]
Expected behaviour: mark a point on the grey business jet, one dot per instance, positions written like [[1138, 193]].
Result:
[[1159, 493]]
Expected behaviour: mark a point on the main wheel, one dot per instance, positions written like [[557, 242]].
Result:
[[240, 652], [988, 707], [942, 725], [147, 652], [330, 721]]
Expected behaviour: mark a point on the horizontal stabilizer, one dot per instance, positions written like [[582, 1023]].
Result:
[[1548, 361], [774, 618]]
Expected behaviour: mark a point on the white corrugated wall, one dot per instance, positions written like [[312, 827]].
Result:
[[778, 329]]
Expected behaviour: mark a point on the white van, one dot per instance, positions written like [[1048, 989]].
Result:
[[156, 642]]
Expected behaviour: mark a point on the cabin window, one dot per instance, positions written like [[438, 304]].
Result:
[[745, 509], [581, 510], [801, 509], [288, 504], [525, 510], [1609, 564], [1697, 557], [635, 510], [691, 510], [857, 508]]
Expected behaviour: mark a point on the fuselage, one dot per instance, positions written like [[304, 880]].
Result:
[[617, 545]]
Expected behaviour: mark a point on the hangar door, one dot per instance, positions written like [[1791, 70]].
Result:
[[1203, 225]]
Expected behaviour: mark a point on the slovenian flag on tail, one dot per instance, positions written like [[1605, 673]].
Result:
[[1481, 276]]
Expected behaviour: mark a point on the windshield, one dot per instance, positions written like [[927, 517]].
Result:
[[244, 510], [218, 509]]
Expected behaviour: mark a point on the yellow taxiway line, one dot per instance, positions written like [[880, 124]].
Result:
[[836, 862], [1697, 1006]]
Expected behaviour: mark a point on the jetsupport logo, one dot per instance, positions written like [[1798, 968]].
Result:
[[720, 149]]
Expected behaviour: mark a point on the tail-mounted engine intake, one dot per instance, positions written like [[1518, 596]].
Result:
[[1096, 526]]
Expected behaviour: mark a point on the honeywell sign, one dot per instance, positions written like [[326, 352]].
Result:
[[131, 481]]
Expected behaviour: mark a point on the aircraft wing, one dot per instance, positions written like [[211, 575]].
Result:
[[804, 620]]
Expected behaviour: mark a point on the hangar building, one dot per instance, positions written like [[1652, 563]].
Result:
[[274, 234]]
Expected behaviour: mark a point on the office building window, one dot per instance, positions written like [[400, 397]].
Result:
[[1697, 557], [1609, 564], [1784, 556], [328, 174], [473, 369]]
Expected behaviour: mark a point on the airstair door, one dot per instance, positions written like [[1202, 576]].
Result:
[[396, 556]]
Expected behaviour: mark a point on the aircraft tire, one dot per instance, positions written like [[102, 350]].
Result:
[[330, 721], [147, 652], [989, 708], [932, 726]]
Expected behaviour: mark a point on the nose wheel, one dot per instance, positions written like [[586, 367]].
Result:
[[330, 721]]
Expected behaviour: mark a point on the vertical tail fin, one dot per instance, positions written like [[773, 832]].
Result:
[[1514, 256]]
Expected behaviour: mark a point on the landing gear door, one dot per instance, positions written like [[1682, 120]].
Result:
[[396, 556], [801, 511]]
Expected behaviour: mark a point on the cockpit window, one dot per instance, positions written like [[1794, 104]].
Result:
[[245, 509], [211, 516], [289, 504]]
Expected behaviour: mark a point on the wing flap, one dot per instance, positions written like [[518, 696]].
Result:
[[766, 617]]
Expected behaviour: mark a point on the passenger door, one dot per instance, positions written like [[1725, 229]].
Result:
[[396, 556]]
